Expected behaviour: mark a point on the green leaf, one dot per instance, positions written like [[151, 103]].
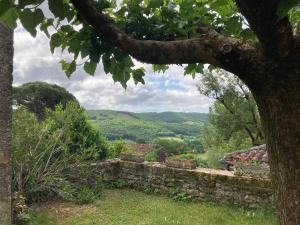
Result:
[[155, 3], [125, 76], [30, 20], [68, 12], [284, 7], [138, 75], [193, 69], [247, 34], [44, 26], [23, 3], [71, 69], [90, 68], [10, 17], [57, 8], [160, 68], [68, 68], [55, 42], [5, 5], [84, 49], [74, 46], [106, 63]]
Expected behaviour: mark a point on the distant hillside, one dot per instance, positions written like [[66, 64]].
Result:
[[148, 126]]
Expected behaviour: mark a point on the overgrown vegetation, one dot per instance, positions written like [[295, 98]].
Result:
[[45, 152]]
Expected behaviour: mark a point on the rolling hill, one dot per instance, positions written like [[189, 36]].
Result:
[[148, 126]]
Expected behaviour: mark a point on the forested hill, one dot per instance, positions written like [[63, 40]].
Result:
[[148, 126]]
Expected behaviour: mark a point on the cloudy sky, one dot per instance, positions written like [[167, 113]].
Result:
[[162, 92]]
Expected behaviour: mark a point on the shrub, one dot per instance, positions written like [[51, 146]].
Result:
[[42, 156], [172, 146], [82, 139], [152, 155], [202, 163], [181, 197], [85, 196], [187, 156], [115, 149], [115, 184]]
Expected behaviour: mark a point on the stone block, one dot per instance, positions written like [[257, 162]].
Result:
[[181, 163]]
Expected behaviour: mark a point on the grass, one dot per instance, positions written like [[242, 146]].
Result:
[[127, 207]]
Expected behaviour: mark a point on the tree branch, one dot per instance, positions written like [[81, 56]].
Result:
[[275, 34], [211, 47]]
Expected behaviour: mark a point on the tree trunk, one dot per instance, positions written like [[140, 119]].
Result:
[[279, 106], [6, 68]]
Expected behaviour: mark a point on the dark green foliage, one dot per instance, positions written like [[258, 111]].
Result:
[[194, 144], [141, 141], [115, 184], [172, 146], [83, 139], [179, 196], [147, 126], [37, 96]]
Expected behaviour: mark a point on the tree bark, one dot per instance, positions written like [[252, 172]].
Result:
[[6, 68], [279, 106]]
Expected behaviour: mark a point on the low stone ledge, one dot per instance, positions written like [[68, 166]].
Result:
[[181, 163]]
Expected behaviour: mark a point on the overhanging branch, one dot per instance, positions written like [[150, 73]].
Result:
[[211, 47]]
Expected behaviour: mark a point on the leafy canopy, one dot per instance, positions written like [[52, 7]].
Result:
[[141, 19], [38, 96]]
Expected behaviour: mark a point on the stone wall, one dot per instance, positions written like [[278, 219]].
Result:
[[202, 184]]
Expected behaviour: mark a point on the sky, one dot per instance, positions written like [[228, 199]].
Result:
[[171, 91]]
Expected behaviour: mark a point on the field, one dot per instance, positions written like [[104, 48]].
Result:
[[125, 207], [116, 125]]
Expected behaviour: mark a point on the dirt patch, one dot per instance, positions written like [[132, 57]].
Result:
[[54, 209]]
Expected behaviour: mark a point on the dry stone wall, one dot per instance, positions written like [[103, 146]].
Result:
[[202, 184]]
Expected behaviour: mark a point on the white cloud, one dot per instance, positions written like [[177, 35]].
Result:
[[163, 92]]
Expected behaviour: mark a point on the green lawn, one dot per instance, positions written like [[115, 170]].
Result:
[[120, 207]]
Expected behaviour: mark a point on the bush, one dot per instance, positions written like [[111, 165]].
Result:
[[172, 146], [43, 153], [115, 149], [181, 197], [152, 156], [82, 139]]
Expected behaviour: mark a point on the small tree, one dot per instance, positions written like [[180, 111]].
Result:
[[234, 113]]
